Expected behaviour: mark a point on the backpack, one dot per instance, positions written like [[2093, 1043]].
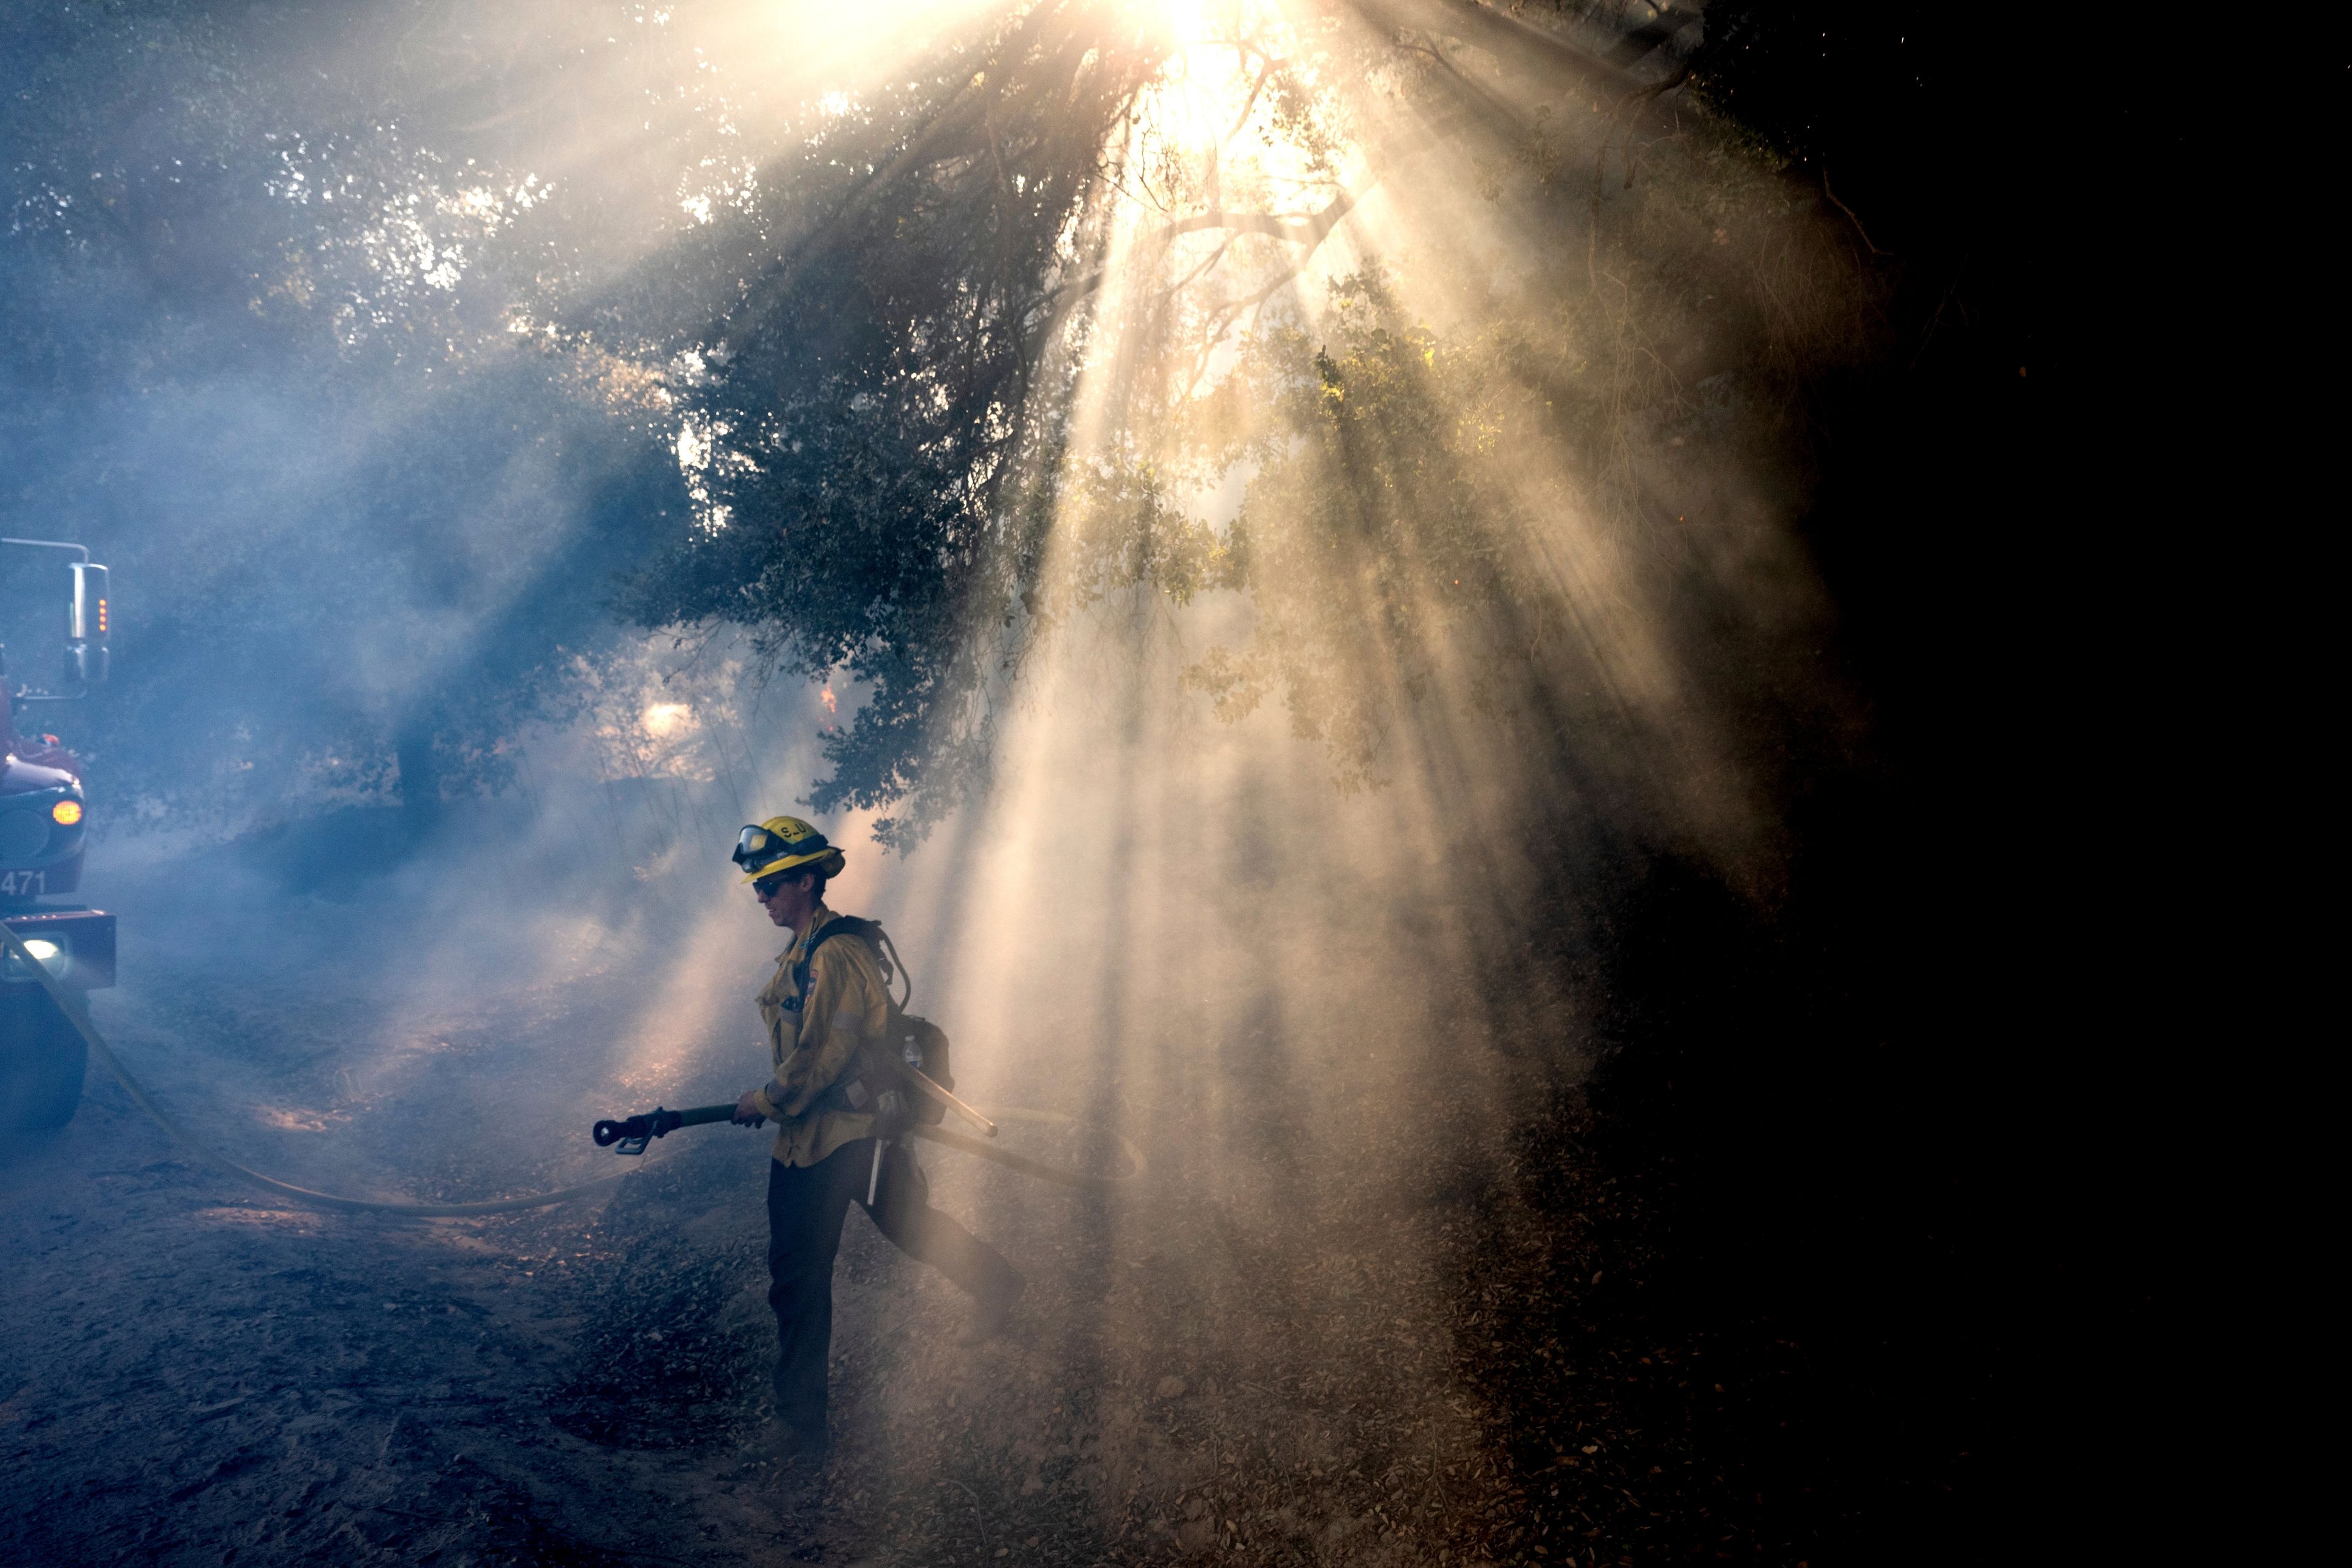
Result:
[[908, 1042]]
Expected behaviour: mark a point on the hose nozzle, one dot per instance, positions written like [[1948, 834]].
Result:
[[635, 1133]]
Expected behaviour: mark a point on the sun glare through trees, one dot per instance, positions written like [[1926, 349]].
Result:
[[1353, 582]]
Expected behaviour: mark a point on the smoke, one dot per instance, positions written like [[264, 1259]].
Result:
[[342, 344], [1476, 585]]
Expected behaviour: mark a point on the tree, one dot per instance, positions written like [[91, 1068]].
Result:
[[901, 399], [891, 400], [276, 356], [1019, 307]]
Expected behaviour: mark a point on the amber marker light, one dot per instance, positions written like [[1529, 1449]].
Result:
[[66, 813]]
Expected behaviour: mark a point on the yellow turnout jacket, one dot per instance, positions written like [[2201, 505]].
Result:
[[814, 1040]]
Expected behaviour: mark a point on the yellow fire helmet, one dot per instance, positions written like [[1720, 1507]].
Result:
[[781, 844]]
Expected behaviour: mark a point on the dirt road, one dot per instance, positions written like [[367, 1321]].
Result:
[[200, 1374]]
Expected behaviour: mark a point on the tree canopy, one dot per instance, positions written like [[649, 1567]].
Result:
[[1010, 317], [897, 376]]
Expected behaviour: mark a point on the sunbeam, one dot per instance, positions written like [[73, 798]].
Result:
[[1274, 545]]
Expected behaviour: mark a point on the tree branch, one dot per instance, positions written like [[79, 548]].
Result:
[[1310, 232], [1850, 215]]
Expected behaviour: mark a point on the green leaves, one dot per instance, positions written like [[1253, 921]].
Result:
[[1377, 520], [1020, 324]]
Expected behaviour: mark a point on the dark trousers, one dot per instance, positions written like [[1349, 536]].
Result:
[[807, 1206]]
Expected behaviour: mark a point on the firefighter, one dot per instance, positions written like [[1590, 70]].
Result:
[[826, 1003]]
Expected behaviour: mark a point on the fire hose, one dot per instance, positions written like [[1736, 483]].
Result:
[[76, 1015], [659, 1123]]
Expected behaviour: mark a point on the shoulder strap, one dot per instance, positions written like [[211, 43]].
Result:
[[886, 954]]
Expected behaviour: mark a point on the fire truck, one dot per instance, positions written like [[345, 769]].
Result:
[[43, 826]]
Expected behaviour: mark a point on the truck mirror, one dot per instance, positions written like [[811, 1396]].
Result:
[[87, 625]]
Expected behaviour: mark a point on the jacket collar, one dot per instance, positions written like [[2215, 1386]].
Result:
[[800, 945]]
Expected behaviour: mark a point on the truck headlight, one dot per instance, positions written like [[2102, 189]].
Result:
[[48, 953], [66, 813]]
